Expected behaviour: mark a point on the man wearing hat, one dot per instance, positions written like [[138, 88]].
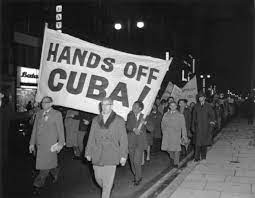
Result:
[[202, 125]]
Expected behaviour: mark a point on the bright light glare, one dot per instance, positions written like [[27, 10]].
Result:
[[201, 76], [208, 76], [117, 26], [140, 24]]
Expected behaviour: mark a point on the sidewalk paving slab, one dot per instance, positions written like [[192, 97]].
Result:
[[204, 177], [236, 195], [245, 173], [228, 187], [194, 185], [188, 193], [238, 179]]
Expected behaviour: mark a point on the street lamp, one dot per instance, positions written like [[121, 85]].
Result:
[[203, 77], [117, 26], [140, 24]]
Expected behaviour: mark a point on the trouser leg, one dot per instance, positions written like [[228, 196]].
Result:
[[148, 153], [75, 144], [105, 176], [108, 178], [203, 152], [41, 178], [138, 163], [98, 176], [171, 156], [131, 158], [197, 152], [54, 173], [142, 163], [76, 151], [176, 157], [219, 123], [183, 150], [80, 137]]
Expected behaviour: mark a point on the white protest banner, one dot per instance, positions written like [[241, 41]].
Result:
[[176, 93], [78, 74], [168, 91], [189, 91]]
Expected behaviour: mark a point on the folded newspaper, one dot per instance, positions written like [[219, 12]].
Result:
[[54, 147], [185, 142]]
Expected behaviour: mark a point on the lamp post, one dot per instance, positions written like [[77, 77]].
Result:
[[203, 77]]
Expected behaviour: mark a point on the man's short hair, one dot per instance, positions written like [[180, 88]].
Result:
[[140, 104], [171, 97], [163, 101], [48, 98], [172, 102], [108, 99], [201, 94], [183, 100]]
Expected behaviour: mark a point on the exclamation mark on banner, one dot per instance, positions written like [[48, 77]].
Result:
[[144, 93]]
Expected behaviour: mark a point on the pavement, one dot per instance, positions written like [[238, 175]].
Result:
[[229, 171]]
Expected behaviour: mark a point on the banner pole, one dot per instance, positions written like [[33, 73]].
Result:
[[40, 69]]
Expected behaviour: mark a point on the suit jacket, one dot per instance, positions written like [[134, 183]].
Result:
[[133, 139], [87, 116], [47, 132]]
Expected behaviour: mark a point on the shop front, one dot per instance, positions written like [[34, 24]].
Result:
[[27, 79]]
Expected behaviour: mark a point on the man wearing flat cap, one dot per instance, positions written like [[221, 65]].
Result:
[[202, 125]]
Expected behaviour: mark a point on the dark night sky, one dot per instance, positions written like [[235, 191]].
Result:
[[228, 52], [219, 32]]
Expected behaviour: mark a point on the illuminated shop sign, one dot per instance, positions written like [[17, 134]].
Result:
[[27, 75], [58, 24]]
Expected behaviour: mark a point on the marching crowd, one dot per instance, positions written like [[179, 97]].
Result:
[[107, 140]]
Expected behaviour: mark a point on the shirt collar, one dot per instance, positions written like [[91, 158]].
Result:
[[106, 115], [138, 116], [47, 111]]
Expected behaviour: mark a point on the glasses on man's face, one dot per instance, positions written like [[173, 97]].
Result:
[[46, 102], [107, 104], [172, 106]]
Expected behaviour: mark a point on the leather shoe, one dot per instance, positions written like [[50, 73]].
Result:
[[138, 182], [36, 191], [54, 180], [76, 158], [175, 166]]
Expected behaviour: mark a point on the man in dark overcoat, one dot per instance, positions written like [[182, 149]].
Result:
[[202, 125]]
